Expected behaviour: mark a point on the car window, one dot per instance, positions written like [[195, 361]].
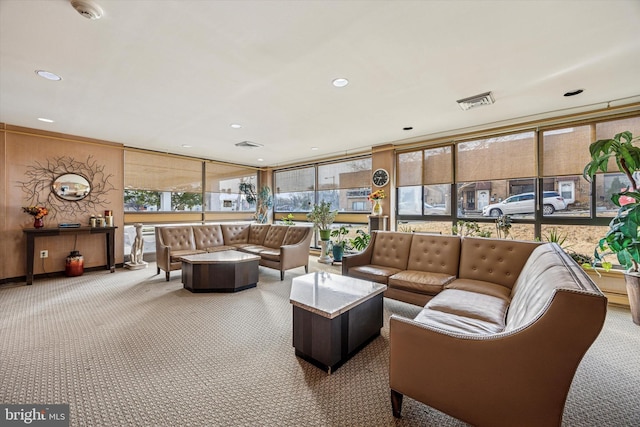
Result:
[[526, 197]]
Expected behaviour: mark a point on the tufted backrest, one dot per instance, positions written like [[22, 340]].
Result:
[[296, 234], [207, 236], [391, 249], [257, 233], [179, 238], [434, 253], [235, 233], [275, 236], [497, 261]]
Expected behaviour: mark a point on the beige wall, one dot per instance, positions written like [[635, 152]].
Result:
[[22, 150]]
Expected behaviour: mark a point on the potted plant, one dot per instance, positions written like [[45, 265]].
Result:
[[340, 243], [322, 217], [622, 237], [361, 240], [262, 199]]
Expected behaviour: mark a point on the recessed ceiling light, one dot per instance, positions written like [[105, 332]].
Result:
[[340, 82], [186, 146], [314, 148], [261, 160], [48, 75], [574, 92], [42, 119], [235, 125]]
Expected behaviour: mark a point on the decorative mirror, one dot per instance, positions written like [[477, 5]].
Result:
[[71, 187]]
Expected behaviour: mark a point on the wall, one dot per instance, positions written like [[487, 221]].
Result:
[[22, 150]]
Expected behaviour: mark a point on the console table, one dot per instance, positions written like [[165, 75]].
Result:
[[33, 233]]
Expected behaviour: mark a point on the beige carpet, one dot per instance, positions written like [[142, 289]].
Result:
[[129, 349]]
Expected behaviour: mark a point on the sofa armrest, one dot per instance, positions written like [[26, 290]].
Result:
[[163, 252], [519, 378], [359, 258], [296, 254]]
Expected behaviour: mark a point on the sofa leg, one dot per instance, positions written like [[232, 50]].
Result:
[[281, 275], [306, 268], [396, 403], [167, 274], [158, 272]]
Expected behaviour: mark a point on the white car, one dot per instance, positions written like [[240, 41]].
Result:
[[525, 203]]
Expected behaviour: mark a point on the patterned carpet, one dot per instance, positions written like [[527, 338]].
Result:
[[130, 349]]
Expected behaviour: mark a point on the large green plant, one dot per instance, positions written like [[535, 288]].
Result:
[[262, 199], [622, 237], [322, 216]]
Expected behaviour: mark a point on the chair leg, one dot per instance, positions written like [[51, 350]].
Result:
[[167, 274], [396, 403], [282, 275], [306, 268]]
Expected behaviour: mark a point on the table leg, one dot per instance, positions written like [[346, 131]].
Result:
[[30, 256]]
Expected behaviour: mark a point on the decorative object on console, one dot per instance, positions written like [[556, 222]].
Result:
[[622, 237], [38, 213], [375, 197], [137, 248]]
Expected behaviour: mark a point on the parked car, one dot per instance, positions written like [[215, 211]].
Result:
[[525, 203]]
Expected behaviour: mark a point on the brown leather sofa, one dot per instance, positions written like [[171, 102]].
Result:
[[280, 247], [500, 337]]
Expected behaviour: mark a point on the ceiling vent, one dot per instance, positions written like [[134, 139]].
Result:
[[248, 144], [476, 101], [87, 8]]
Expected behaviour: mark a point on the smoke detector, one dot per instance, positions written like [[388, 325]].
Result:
[[87, 8], [476, 101], [248, 144]]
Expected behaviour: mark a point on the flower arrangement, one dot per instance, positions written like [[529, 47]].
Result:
[[36, 211], [376, 195]]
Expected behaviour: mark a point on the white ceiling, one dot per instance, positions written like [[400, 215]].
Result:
[[160, 74]]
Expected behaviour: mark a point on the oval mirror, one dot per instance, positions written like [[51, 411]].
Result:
[[71, 186]]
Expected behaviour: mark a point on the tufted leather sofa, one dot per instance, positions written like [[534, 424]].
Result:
[[280, 247], [502, 332]]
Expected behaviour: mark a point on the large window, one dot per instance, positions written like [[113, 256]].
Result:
[[161, 183], [222, 187], [345, 185]]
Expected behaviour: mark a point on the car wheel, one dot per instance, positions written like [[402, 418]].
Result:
[[495, 213], [548, 209]]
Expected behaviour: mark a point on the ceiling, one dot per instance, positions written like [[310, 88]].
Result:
[[163, 74]]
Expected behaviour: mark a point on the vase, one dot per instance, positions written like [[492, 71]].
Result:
[[377, 208], [632, 281], [325, 234], [38, 222], [74, 265]]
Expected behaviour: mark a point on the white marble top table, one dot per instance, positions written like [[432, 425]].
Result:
[[220, 257], [329, 295]]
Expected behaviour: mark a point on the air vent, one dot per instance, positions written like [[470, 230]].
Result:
[[476, 101], [248, 144]]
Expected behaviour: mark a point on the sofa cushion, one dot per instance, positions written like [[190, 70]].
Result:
[[434, 253], [175, 255], [275, 236], [391, 249], [270, 254], [374, 273], [420, 281], [257, 233], [207, 236], [456, 324], [480, 287], [235, 233], [489, 311], [493, 260]]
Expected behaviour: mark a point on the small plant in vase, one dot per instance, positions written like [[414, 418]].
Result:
[[322, 217], [375, 197], [340, 243], [38, 213]]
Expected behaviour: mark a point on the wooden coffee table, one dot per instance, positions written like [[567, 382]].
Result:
[[334, 317], [224, 271]]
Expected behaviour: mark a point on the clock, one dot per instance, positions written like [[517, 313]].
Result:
[[380, 177]]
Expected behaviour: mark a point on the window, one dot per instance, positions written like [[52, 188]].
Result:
[[156, 182], [294, 190], [222, 187], [346, 185]]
